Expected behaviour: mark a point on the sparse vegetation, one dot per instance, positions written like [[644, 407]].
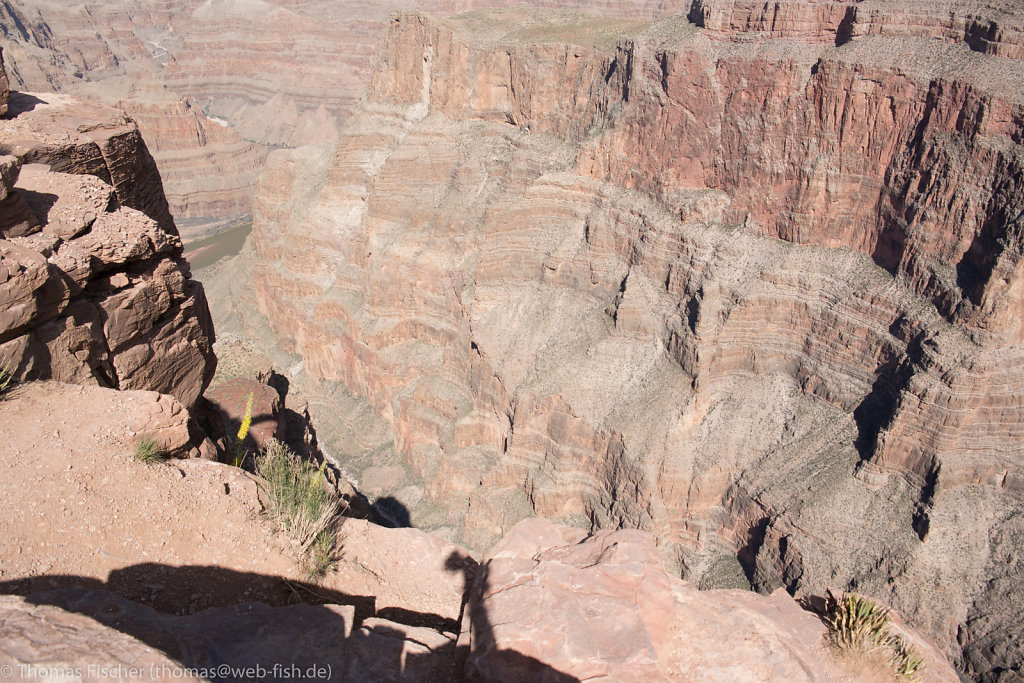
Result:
[[860, 625], [905, 659], [301, 503], [148, 450], [6, 378]]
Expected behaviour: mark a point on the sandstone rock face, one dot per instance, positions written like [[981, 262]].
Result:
[[93, 284], [551, 603], [992, 29], [759, 297], [274, 72], [208, 170]]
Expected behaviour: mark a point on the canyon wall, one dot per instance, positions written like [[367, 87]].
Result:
[[93, 283], [759, 297], [215, 84]]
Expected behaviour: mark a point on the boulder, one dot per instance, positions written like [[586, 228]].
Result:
[[267, 416], [93, 290]]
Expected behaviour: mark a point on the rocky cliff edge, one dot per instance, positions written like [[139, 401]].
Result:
[[93, 285]]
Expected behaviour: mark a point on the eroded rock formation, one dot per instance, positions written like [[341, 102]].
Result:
[[267, 72], [761, 298], [94, 286]]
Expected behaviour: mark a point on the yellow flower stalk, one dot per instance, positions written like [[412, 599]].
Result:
[[243, 431]]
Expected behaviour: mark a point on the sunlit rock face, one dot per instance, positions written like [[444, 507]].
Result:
[[93, 285], [759, 297], [216, 84]]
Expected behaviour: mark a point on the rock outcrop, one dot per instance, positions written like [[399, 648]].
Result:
[[43, 643], [591, 607], [759, 297], [94, 286]]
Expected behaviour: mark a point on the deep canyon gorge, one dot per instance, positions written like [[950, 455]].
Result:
[[746, 276]]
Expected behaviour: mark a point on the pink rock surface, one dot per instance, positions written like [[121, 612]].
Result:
[[43, 643], [554, 604], [405, 569]]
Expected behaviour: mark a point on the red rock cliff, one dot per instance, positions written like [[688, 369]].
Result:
[[760, 297]]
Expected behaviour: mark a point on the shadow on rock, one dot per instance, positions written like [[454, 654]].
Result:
[[241, 626], [390, 512], [21, 102], [481, 660], [238, 626]]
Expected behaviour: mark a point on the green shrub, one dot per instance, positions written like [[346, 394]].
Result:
[[147, 450], [6, 378], [858, 624], [301, 503]]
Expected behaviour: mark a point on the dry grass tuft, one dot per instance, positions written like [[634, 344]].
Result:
[[6, 378], [147, 450], [302, 504]]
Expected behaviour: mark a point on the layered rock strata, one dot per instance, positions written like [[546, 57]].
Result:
[[759, 297], [272, 72], [95, 289], [993, 28]]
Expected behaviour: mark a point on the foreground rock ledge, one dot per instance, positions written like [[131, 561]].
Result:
[[557, 604]]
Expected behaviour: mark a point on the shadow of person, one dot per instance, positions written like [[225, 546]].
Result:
[[242, 626], [480, 657]]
